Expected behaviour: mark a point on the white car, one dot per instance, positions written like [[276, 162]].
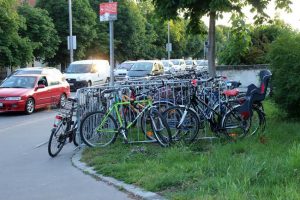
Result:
[[85, 73], [168, 66], [190, 64], [202, 65], [122, 70], [179, 64]]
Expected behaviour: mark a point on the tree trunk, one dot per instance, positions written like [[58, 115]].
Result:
[[212, 44]]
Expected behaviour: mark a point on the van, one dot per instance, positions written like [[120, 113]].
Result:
[[85, 73]]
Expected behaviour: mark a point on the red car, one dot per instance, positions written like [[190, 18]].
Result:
[[29, 92]]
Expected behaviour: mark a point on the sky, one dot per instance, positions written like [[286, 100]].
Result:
[[292, 18]]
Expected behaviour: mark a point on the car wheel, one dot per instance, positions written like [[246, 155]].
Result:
[[29, 107], [62, 101]]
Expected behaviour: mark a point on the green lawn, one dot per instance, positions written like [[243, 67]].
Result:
[[259, 167]]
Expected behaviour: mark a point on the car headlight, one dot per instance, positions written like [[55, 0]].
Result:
[[13, 98]]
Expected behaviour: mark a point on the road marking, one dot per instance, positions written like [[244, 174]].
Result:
[[40, 145], [25, 123]]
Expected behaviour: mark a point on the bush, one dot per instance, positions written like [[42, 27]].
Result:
[[285, 65]]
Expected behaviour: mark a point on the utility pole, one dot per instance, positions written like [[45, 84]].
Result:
[[169, 50], [111, 50], [71, 31]]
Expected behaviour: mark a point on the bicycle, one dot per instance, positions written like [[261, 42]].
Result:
[[64, 128], [186, 121], [101, 128]]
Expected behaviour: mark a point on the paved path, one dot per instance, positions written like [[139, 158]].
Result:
[[27, 172]]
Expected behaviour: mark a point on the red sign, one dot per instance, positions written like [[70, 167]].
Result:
[[108, 11]]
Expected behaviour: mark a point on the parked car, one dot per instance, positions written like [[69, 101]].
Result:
[[40, 70], [168, 66], [179, 64], [121, 71], [190, 64], [202, 65], [29, 92], [85, 73], [146, 68]]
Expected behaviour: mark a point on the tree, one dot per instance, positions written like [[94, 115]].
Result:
[[285, 64], [14, 49], [40, 29], [237, 45], [195, 9], [83, 27]]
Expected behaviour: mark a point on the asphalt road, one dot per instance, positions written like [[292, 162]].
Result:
[[27, 171]]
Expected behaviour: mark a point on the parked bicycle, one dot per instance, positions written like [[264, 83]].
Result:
[[64, 128], [101, 128]]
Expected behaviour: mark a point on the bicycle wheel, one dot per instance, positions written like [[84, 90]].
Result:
[[145, 120], [93, 135], [234, 124], [258, 121], [160, 128], [184, 124], [57, 140]]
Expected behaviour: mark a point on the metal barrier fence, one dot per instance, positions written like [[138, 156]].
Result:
[[165, 93]]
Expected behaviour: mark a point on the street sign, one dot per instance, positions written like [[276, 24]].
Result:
[[169, 47], [108, 11], [74, 44]]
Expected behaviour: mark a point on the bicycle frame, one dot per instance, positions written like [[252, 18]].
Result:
[[116, 107]]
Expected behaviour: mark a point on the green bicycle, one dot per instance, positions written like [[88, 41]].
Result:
[[100, 128]]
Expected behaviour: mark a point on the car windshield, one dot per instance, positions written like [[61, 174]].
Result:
[[19, 82], [79, 68], [176, 62], [202, 62], [166, 63], [189, 62], [126, 66], [142, 66]]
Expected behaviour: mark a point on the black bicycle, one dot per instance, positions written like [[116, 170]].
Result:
[[64, 128]]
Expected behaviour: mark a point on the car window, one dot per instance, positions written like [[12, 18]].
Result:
[[142, 66], [19, 82], [79, 68], [43, 81], [54, 80], [27, 72]]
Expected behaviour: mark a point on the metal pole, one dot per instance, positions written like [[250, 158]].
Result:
[[111, 49], [169, 52], [71, 31]]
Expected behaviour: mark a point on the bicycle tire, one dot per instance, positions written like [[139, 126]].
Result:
[[160, 128], [90, 123], [258, 121], [189, 128], [145, 122], [56, 136], [235, 127]]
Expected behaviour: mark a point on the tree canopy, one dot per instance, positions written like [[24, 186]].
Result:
[[195, 9], [14, 49], [40, 29], [83, 27]]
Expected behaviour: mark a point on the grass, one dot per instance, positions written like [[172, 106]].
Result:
[[258, 167]]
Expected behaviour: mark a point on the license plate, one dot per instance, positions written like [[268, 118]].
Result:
[[1, 104], [71, 84]]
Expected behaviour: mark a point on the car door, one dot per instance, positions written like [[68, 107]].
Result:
[[54, 88], [42, 95]]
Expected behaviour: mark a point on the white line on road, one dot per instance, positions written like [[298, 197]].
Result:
[[39, 145]]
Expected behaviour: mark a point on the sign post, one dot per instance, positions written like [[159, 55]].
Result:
[[108, 12], [71, 31]]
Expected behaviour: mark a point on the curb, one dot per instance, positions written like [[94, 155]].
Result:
[[136, 191]]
